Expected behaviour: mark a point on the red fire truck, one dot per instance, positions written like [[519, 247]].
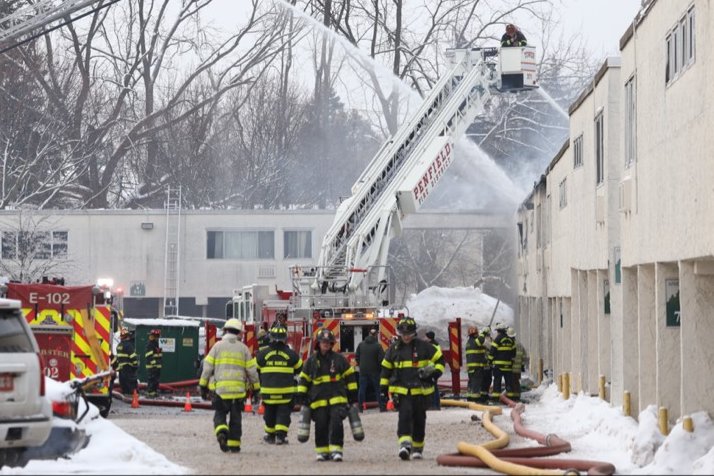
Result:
[[73, 326]]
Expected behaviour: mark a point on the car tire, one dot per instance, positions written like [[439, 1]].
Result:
[[13, 457]]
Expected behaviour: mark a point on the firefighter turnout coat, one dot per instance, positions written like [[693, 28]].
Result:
[[327, 380], [229, 368], [401, 364], [278, 366]]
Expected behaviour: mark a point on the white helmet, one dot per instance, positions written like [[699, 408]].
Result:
[[511, 332], [501, 326], [234, 324]]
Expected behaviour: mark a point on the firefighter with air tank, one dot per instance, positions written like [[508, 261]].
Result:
[[278, 366], [410, 368]]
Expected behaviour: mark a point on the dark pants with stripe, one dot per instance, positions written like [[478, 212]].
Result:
[[277, 417], [329, 431], [498, 376], [228, 412], [127, 380], [412, 417], [152, 385], [476, 379]]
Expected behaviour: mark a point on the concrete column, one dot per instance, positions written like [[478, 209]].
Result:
[[696, 297], [629, 342], [567, 347], [603, 328], [590, 378], [615, 375], [646, 362], [669, 357], [575, 330], [584, 357]]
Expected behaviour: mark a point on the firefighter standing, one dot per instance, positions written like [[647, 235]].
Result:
[[328, 385], [152, 358], [263, 339], [485, 337], [501, 358], [229, 367], [476, 364], [409, 370], [278, 365], [126, 362], [519, 356]]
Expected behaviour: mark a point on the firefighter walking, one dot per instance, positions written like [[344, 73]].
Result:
[[126, 362], [410, 368], [152, 357], [501, 358], [227, 371], [278, 365], [328, 385], [476, 364]]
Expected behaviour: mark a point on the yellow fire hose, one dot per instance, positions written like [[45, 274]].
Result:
[[482, 451]]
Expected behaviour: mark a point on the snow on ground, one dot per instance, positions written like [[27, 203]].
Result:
[[600, 432], [110, 449]]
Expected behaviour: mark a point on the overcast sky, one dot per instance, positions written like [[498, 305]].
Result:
[[602, 22]]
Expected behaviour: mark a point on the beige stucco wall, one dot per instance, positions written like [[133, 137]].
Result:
[[666, 232]]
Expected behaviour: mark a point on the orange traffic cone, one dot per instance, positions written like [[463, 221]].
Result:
[[248, 406], [187, 406], [135, 400], [261, 408]]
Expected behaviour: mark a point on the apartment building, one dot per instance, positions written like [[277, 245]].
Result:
[[616, 255]]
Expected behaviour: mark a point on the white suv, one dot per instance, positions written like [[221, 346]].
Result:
[[25, 412]]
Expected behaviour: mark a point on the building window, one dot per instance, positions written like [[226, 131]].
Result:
[[578, 152], [297, 244], [563, 193], [34, 244], [240, 245], [630, 118], [599, 149], [680, 42]]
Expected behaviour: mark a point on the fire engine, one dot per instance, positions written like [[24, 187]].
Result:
[[348, 290], [73, 326]]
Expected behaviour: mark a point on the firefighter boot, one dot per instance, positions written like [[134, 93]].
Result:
[[269, 438], [222, 438], [280, 439], [405, 449]]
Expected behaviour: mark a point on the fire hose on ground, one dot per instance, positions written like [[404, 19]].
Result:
[[519, 460]]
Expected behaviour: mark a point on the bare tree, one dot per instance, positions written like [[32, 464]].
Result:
[[127, 74]]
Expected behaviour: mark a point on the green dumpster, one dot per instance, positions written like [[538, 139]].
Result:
[[179, 347]]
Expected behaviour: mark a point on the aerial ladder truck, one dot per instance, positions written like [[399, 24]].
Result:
[[348, 290], [30, 20]]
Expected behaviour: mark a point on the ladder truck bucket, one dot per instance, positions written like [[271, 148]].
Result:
[[517, 68]]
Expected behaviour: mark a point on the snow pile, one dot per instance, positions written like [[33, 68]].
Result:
[[435, 307], [600, 432]]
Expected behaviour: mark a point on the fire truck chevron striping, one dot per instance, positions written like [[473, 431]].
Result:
[[85, 317]]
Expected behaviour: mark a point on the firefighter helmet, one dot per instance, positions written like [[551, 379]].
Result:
[[501, 326], [326, 335], [233, 324], [279, 333], [472, 331], [262, 333], [511, 332], [155, 332], [486, 331], [406, 326]]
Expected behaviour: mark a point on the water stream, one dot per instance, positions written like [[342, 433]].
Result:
[[480, 169]]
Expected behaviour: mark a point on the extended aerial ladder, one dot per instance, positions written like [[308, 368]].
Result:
[[352, 262], [24, 24]]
